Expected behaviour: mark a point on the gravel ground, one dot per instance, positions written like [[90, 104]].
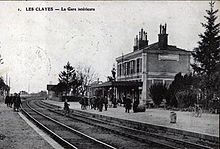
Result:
[[16, 133], [207, 124]]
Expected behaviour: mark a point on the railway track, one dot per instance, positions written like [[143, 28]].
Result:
[[63, 134], [165, 140], [154, 140]]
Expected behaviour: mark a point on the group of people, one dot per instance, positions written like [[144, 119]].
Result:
[[95, 103], [100, 102], [13, 100], [127, 101]]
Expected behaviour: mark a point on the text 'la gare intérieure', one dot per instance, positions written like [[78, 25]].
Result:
[[59, 9]]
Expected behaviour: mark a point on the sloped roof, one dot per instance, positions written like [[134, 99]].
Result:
[[155, 46]]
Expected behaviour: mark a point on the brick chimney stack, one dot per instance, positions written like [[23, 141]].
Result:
[[141, 40], [163, 37]]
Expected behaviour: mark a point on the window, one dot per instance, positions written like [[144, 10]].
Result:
[[140, 69], [120, 73], [118, 70], [138, 65], [128, 68], [132, 66], [124, 69]]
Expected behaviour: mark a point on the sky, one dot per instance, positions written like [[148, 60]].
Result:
[[35, 45]]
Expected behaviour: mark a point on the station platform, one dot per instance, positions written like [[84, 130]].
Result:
[[17, 132], [207, 124]]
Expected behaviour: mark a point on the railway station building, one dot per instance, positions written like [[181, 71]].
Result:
[[148, 64]]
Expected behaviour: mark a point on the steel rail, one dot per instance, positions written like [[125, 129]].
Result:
[[185, 143], [56, 137], [71, 129], [124, 134]]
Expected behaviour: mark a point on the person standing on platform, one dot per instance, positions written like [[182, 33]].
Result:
[[95, 102], [128, 103], [106, 103], [7, 100], [86, 102], [123, 100], [135, 105], [100, 103], [92, 102], [10, 101], [82, 102], [17, 102]]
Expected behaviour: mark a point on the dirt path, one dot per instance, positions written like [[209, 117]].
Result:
[[16, 133]]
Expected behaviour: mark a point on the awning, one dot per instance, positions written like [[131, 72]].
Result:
[[118, 84]]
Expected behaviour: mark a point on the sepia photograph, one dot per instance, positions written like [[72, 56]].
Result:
[[109, 74]]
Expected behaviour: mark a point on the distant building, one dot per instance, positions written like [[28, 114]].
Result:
[[91, 89], [53, 94], [23, 93], [148, 64]]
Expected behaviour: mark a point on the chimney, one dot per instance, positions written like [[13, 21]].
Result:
[[141, 40], [163, 37], [136, 43], [141, 34], [145, 37]]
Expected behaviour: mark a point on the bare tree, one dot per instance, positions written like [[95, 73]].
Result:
[[3, 86], [86, 75]]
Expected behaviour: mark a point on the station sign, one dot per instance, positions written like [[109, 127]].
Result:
[[171, 57]]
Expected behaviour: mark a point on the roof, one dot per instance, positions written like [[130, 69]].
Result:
[[118, 84], [51, 87], [154, 47]]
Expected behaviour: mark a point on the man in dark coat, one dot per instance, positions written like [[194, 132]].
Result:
[[14, 99], [106, 103], [17, 102], [92, 102], [100, 103], [7, 100], [135, 105], [128, 103], [10, 101], [95, 102]]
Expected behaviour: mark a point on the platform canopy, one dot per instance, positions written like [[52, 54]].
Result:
[[118, 84]]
